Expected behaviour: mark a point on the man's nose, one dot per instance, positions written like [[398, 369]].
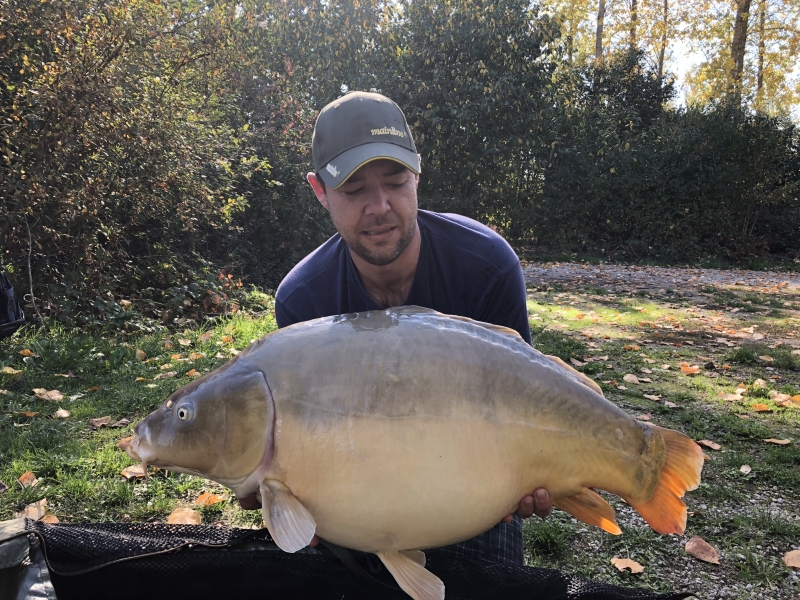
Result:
[[378, 203]]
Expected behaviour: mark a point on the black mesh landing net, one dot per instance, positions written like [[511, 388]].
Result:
[[154, 561]]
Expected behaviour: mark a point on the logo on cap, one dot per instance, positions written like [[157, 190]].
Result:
[[332, 170], [388, 131]]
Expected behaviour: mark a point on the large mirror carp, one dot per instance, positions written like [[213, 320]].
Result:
[[398, 430]]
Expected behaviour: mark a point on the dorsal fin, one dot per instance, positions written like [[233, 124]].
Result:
[[584, 379], [420, 310]]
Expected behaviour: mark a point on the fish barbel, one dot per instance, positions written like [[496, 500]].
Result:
[[403, 429]]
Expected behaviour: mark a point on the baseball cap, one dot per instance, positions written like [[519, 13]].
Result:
[[358, 128]]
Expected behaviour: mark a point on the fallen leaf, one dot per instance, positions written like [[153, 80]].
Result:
[[28, 479], [576, 362], [233, 351], [93, 389], [627, 563], [192, 373], [766, 358], [27, 352], [652, 397], [621, 387], [666, 367], [166, 375], [603, 358], [48, 518], [207, 499], [33, 511], [759, 407], [44, 394], [61, 414], [166, 366], [27, 413], [702, 550], [176, 356], [100, 421], [758, 336], [196, 355], [204, 337], [140, 379], [731, 397], [779, 442], [68, 375], [10, 371], [140, 355], [184, 342], [649, 361], [133, 472], [226, 339], [690, 370], [645, 417], [759, 383], [726, 367], [709, 444], [125, 443], [792, 559], [184, 516], [631, 379], [745, 469], [632, 347], [645, 380], [120, 423], [646, 370]]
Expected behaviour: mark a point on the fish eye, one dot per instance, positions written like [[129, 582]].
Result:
[[184, 413]]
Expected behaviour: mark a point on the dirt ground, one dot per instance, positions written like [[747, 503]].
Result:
[[631, 278]]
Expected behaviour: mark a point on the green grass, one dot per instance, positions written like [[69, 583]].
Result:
[[750, 518]]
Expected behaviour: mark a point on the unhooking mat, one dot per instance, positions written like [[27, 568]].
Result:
[[155, 561]]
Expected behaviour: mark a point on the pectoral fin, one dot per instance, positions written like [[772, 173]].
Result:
[[288, 521], [412, 578], [589, 507], [418, 556]]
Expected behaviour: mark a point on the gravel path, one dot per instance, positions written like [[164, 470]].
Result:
[[617, 278]]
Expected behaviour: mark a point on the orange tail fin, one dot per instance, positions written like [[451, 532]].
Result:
[[665, 512], [588, 506]]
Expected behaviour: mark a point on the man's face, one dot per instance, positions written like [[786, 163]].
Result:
[[375, 210]]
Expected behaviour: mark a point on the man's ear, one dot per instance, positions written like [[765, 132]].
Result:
[[319, 191]]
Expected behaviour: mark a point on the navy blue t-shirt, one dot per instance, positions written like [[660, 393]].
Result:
[[464, 269]]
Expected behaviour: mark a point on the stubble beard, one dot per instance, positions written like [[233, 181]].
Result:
[[380, 260]]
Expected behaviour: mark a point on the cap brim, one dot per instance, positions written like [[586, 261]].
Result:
[[338, 170]]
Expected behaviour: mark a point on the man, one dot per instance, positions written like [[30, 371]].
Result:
[[387, 253]]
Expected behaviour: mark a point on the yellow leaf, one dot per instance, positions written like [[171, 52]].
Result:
[[28, 479], [125, 443], [27, 352], [690, 370], [140, 355], [226, 339], [207, 499], [777, 441], [761, 407], [792, 559], [133, 472], [709, 444], [100, 421], [196, 355], [176, 356], [140, 379], [627, 563], [184, 342], [702, 550], [48, 518], [192, 373], [184, 516], [10, 371]]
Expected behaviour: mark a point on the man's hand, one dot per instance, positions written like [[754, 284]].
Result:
[[253, 502], [538, 503]]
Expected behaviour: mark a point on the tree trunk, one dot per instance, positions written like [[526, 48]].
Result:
[[663, 49], [598, 43], [760, 83], [739, 43], [634, 17]]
